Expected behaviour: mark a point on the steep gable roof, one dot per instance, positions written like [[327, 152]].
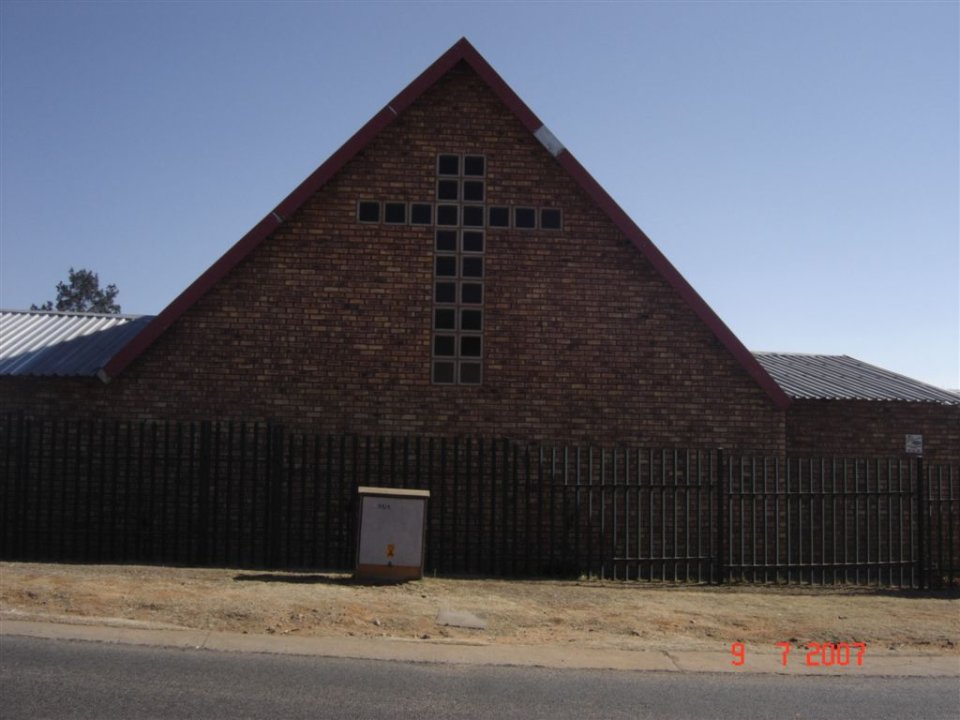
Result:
[[462, 51]]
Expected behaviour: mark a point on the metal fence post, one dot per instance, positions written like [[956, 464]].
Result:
[[274, 495], [20, 487], [922, 545], [203, 495], [721, 512]]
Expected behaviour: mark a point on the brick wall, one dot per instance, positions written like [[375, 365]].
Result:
[[846, 427], [327, 324]]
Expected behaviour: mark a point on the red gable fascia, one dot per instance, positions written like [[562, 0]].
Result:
[[461, 51]]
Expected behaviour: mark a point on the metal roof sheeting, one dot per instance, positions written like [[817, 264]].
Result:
[[42, 343], [840, 377]]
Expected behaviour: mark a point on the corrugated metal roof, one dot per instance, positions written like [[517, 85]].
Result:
[[34, 342], [840, 377]]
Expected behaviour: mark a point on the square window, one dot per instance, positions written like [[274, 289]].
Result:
[[421, 214], [445, 319], [448, 165], [368, 212], [550, 219], [499, 217], [524, 218], [443, 372], [470, 346], [474, 165], [470, 373], [472, 267], [471, 320], [471, 293], [448, 215], [446, 266], [473, 190], [448, 190], [445, 292], [473, 241], [447, 240], [473, 216], [395, 213], [444, 345]]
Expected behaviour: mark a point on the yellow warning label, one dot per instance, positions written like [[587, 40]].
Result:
[[390, 550]]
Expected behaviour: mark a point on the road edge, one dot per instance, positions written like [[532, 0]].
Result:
[[451, 653]]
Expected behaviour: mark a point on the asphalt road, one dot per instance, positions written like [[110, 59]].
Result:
[[74, 679]]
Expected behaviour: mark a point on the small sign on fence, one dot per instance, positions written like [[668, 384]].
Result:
[[913, 444]]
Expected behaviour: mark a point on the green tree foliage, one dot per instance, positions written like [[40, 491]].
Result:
[[82, 293]]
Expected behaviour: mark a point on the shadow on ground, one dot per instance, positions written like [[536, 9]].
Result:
[[311, 579]]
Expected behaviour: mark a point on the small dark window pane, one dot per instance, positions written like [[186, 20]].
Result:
[[473, 215], [472, 241], [471, 319], [445, 319], [395, 213], [499, 217], [369, 212], [448, 190], [470, 373], [472, 267], [448, 165], [443, 372], [550, 219], [473, 165], [447, 215], [473, 190], [444, 345], [524, 217], [447, 240], [446, 292], [470, 346], [472, 293], [421, 214], [446, 266]]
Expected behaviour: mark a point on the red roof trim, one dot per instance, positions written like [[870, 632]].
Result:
[[249, 242], [146, 337], [666, 269], [461, 51]]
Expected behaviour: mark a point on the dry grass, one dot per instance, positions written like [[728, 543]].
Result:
[[589, 613]]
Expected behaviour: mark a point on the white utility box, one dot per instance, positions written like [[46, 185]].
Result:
[[391, 535]]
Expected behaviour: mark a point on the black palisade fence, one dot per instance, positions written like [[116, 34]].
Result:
[[243, 494]]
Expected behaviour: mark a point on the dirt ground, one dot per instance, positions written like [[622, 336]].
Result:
[[626, 616]]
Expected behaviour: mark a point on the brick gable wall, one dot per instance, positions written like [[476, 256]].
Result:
[[327, 324], [867, 429]]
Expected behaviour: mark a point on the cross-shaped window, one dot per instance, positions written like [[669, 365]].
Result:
[[459, 244], [460, 218]]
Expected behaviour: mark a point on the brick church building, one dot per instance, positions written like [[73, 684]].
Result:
[[453, 270]]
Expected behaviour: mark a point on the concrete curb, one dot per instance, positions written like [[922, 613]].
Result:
[[428, 651]]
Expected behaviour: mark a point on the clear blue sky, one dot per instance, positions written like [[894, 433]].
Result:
[[797, 162]]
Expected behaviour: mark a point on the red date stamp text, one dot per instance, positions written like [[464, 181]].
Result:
[[817, 654]]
